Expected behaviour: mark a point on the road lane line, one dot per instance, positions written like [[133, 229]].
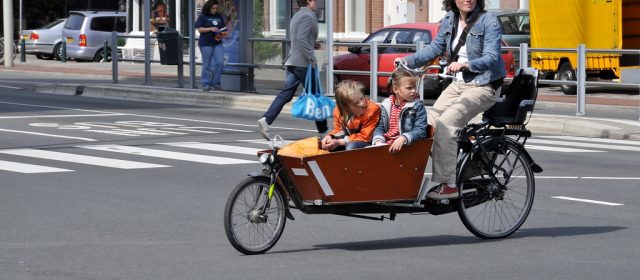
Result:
[[558, 149], [600, 140], [588, 201], [58, 107], [585, 145], [166, 154], [28, 168], [90, 160], [10, 87], [62, 116], [214, 147], [49, 135]]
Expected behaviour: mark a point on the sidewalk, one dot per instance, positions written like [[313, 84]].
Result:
[[95, 80]]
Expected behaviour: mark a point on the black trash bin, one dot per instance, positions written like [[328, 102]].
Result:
[[168, 40]]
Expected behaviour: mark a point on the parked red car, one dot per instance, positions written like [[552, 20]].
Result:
[[358, 58]]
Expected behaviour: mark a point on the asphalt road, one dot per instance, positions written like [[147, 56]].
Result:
[[156, 212]]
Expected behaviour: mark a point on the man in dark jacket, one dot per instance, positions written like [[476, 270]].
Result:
[[303, 35]]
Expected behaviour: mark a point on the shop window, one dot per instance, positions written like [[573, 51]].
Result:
[[278, 22], [355, 17]]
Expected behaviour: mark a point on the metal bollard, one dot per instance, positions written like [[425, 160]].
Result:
[[105, 53], [23, 55], [63, 52]]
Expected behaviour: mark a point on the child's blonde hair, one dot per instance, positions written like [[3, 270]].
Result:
[[345, 92], [396, 79]]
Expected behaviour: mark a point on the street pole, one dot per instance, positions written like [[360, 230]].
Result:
[[7, 18], [147, 42], [20, 17], [329, 16]]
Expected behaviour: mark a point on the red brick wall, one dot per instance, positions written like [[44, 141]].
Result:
[[509, 4]]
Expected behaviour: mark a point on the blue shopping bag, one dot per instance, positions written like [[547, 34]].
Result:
[[312, 104]]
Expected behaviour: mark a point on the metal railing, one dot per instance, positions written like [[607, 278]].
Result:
[[581, 75], [523, 50]]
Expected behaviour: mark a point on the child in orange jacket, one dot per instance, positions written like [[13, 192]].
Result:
[[354, 118]]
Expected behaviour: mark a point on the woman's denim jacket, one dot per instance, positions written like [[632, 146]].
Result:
[[483, 49], [413, 121]]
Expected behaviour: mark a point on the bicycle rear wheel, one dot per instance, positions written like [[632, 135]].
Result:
[[504, 190], [250, 230]]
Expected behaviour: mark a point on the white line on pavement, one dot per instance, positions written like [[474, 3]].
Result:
[[28, 168], [61, 116], [599, 140], [166, 154], [57, 107], [3, 86], [214, 147], [563, 150], [586, 145], [49, 135], [588, 201], [91, 160]]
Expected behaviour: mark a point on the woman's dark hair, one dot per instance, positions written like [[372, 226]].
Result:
[[302, 3], [479, 7], [206, 8]]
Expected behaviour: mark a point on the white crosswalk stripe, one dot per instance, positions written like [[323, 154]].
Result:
[[228, 154], [584, 145], [215, 147], [167, 154], [28, 168], [562, 150], [90, 160]]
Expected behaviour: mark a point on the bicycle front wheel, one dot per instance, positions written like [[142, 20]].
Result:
[[504, 190], [254, 224]]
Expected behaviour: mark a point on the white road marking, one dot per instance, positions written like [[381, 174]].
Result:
[[264, 142], [57, 107], [215, 147], [558, 149], [49, 135], [600, 140], [3, 86], [588, 201], [586, 145], [62, 116], [167, 154], [90, 160], [28, 168]]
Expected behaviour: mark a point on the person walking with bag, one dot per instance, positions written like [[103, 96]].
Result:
[[469, 40], [303, 36]]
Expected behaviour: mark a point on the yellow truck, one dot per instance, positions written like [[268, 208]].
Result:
[[599, 24]]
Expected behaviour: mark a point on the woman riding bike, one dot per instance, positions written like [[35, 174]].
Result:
[[469, 43]]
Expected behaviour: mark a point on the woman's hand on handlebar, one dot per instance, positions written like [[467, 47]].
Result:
[[456, 67]]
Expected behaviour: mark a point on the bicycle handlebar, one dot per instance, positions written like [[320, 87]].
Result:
[[417, 71]]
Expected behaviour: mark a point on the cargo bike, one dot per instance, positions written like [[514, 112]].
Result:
[[493, 167]]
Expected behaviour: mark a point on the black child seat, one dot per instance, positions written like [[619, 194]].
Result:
[[519, 99]]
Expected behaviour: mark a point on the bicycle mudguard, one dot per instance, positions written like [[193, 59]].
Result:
[[534, 166]]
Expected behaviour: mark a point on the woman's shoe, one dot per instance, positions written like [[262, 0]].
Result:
[[445, 192]]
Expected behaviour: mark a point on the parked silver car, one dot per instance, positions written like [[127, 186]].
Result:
[[45, 42], [86, 31]]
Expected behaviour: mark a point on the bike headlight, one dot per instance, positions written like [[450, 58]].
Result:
[[265, 158]]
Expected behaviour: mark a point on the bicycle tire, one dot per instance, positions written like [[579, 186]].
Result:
[[493, 212], [254, 237]]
